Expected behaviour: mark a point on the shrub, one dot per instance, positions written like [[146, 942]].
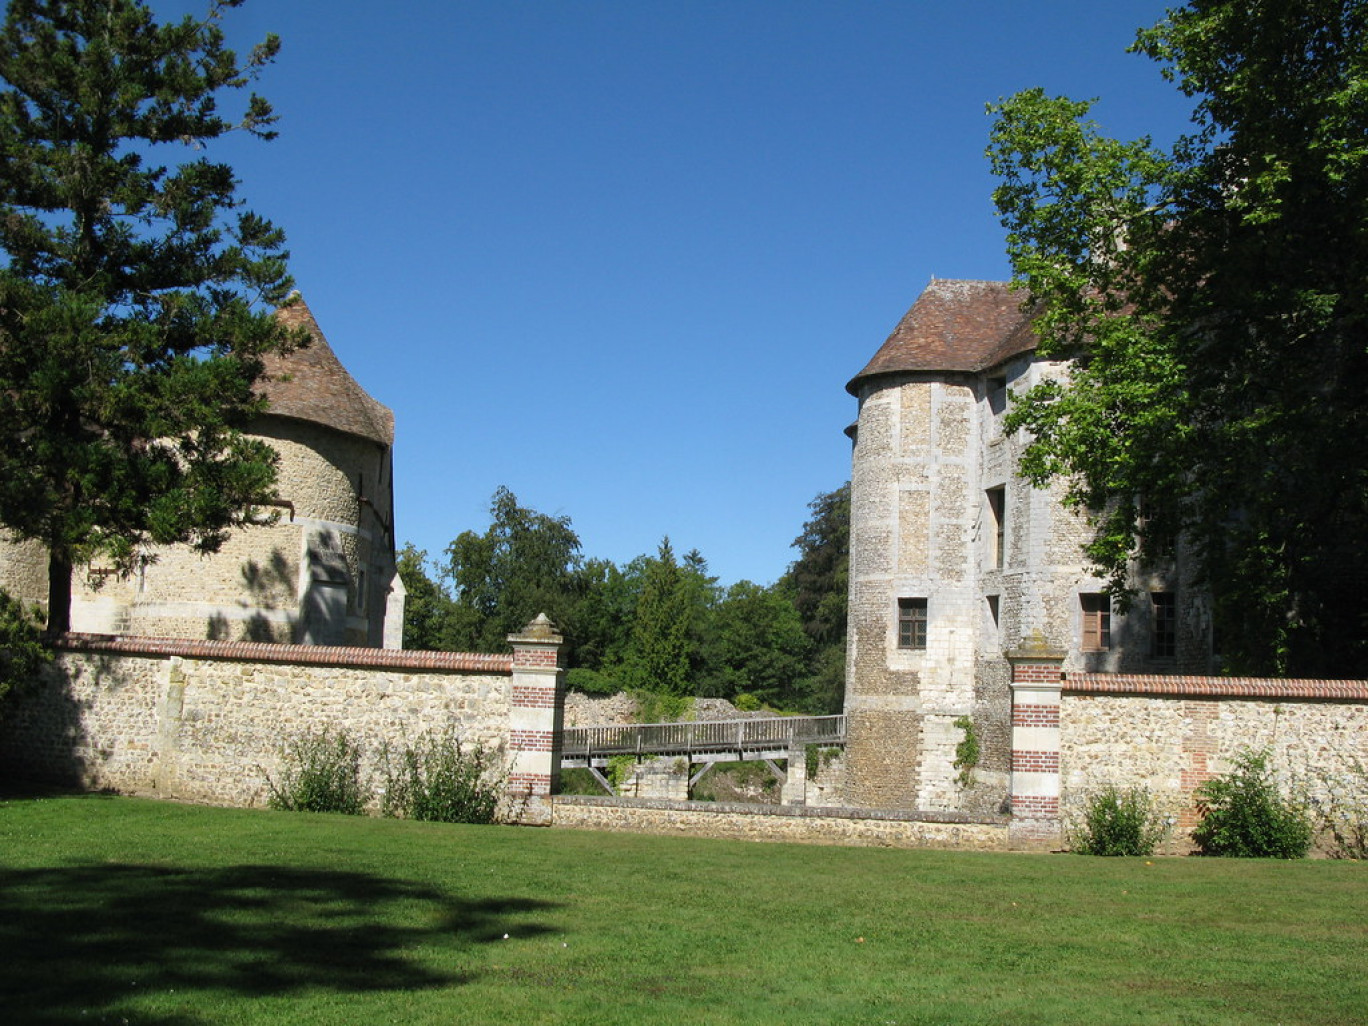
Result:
[[590, 682], [439, 780], [321, 773], [745, 701], [1119, 821], [966, 752], [1245, 815]]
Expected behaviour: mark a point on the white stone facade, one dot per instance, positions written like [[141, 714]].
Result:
[[941, 519]]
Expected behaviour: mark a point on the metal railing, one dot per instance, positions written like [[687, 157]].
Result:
[[780, 732]]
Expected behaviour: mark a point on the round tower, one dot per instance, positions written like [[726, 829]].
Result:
[[930, 537]]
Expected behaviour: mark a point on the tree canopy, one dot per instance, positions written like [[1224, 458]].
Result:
[[136, 298], [1213, 297], [660, 624]]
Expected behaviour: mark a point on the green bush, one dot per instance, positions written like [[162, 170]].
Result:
[[745, 701], [439, 780], [966, 752], [321, 773], [1119, 821], [1244, 814], [590, 682]]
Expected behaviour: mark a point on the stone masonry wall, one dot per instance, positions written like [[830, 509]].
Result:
[[786, 823], [1169, 735], [204, 721]]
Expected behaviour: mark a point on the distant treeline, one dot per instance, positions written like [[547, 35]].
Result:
[[659, 624]]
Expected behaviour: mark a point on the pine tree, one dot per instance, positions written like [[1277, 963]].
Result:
[[135, 298]]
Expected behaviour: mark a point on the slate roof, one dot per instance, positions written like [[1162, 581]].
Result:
[[311, 384], [965, 326]]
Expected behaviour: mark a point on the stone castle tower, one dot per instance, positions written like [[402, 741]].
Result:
[[956, 562], [323, 573]]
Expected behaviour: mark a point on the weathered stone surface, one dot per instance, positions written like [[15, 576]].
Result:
[[808, 825]]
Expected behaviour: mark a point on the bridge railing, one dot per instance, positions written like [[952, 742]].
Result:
[[704, 736]]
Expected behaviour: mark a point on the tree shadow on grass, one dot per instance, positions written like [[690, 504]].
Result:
[[76, 943]]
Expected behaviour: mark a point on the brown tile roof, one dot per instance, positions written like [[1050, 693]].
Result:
[[954, 325], [311, 384]]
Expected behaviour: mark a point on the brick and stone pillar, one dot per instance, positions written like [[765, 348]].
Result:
[[1036, 678], [535, 717]]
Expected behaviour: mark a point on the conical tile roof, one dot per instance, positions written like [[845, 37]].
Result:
[[311, 384], [954, 325]]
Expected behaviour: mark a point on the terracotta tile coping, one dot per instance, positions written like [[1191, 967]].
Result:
[[306, 655], [1215, 687]]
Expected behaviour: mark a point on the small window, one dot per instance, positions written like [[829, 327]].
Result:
[[993, 607], [997, 394], [1163, 624], [1096, 622], [997, 516], [912, 623]]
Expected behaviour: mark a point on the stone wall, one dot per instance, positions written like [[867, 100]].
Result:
[[1075, 734], [1169, 735], [794, 824], [205, 721]]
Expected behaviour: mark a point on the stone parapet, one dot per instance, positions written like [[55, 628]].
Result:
[[782, 823]]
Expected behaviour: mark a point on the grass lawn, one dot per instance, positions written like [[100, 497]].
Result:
[[126, 911]]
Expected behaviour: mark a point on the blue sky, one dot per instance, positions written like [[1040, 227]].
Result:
[[622, 257]]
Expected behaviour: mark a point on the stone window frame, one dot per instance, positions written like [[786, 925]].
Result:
[[913, 623]]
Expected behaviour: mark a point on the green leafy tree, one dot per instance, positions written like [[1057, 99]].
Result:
[[524, 564], [22, 652], [817, 583], [1213, 297], [429, 610], [756, 645], [600, 625], [135, 297], [662, 650]]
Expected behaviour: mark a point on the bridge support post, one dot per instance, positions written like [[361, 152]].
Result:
[[794, 791], [535, 716]]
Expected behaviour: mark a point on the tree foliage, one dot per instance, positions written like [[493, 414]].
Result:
[[659, 657], [817, 583], [525, 563], [1214, 297], [429, 610], [134, 297], [659, 624], [22, 652]]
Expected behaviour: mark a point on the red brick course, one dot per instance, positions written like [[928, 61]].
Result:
[[525, 697], [1026, 806], [531, 740], [1034, 762], [1026, 715]]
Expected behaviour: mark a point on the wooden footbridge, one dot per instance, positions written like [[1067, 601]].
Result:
[[707, 741]]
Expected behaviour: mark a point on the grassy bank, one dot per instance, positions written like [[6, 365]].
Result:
[[119, 910]]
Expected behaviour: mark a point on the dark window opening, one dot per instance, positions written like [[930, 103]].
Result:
[[1163, 624], [912, 623]]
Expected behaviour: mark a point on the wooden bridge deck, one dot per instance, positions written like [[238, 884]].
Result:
[[702, 741]]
